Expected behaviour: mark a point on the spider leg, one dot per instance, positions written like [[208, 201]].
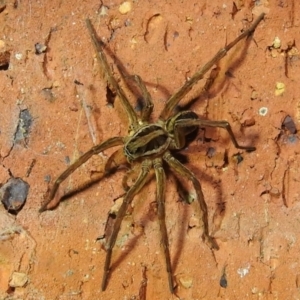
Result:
[[112, 142], [134, 189], [148, 108], [209, 123], [181, 170], [175, 98], [106, 71], [160, 198]]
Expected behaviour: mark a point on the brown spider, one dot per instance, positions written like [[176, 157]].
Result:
[[151, 144]]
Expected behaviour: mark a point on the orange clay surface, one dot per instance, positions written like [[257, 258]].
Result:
[[254, 206]]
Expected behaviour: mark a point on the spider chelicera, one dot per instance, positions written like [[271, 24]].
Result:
[[150, 145]]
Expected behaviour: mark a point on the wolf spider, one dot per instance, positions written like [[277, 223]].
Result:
[[150, 145]]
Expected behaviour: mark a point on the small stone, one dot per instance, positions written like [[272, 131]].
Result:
[[103, 11], [274, 52], [279, 88], [115, 208], [186, 281], [276, 43], [263, 111], [40, 48], [289, 124], [18, 56], [56, 84], [125, 7], [223, 281], [254, 95], [13, 194], [18, 279], [115, 23]]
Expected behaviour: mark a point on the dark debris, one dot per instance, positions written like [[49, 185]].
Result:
[[223, 281], [13, 194], [289, 124], [2, 5], [211, 152], [23, 129], [4, 60], [40, 48]]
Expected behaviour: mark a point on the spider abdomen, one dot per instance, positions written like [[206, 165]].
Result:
[[178, 134], [183, 115], [149, 140]]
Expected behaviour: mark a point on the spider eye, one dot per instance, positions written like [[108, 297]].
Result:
[[149, 140]]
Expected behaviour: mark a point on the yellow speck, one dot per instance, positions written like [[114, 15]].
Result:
[[2, 44], [279, 88], [133, 41], [186, 282], [189, 19], [56, 83], [125, 7], [276, 43], [103, 11]]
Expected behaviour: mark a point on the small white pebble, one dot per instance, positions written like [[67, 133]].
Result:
[[263, 111], [243, 271], [103, 11], [19, 56]]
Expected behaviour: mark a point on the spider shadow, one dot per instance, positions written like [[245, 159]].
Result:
[[234, 60], [84, 186], [127, 80]]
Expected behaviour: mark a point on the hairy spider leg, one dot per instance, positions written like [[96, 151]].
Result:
[[175, 98], [160, 199], [148, 107], [209, 123], [184, 172], [107, 74], [112, 142], [134, 189]]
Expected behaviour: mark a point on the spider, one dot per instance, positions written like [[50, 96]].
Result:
[[150, 145]]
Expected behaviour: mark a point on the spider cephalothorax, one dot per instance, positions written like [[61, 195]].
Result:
[[151, 144]]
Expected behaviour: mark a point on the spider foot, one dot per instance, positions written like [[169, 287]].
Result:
[[53, 201]]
